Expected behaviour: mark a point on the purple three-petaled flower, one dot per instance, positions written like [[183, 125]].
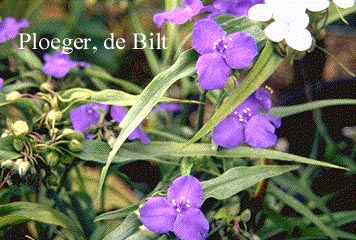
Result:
[[179, 15], [59, 64], [87, 115], [179, 212], [1, 83], [220, 53], [118, 113], [237, 8], [9, 28], [247, 124]]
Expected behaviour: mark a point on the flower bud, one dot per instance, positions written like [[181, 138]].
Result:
[[46, 86], [245, 215], [13, 96], [46, 107], [53, 131], [52, 158], [52, 180], [7, 164], [6, 133], [66, 159], [18, 145], [54, 115], [75, 146], [23, 168], [20, 127], [67, 131]]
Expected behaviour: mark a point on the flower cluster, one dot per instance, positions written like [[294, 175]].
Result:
[[290, 19], [9, 28], [190, 8], [87, 115], [179, 212], [59, 64], [247, 124]]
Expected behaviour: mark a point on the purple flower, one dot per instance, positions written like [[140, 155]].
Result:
[[118, 113], [60, 64], [87, 115], [179, 212], [1, 83], [237, 8], [220, 53], [179, 15], [9, 28], [247, 124]]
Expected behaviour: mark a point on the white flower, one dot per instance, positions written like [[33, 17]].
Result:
[[290, 22]]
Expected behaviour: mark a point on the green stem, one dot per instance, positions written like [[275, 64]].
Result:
[[201, 109]]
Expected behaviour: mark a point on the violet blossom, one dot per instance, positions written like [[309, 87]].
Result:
[[118, 113], [247, 124], [237, 8], [9, 28], [87, 115], [220, 53], [59, 64], [179, 15], [1, 83], [179, 212]]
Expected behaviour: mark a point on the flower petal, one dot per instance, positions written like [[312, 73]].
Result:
[[191, 225], [179, 15], [229, 132], [241, 50], [1, 83], [117, 113], [139, 134], [260, 12], [186, 188], [318, 5], [209, 77], [259, 132], [299, 39], [158, 215], [276, 31], [205, 33], [264, 97]]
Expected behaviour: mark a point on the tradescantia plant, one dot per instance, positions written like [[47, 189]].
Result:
[[69, 130]]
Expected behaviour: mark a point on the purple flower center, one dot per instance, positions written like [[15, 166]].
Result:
[[181, 205], [244, 115], [222, 44]]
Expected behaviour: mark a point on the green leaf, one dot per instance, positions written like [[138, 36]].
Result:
[[171, 153], [301, 209], [18, 86], [110, 97], [129, 229], [121, 213], [265, 65], [19, 212], [184, 66], [295, 109], [238, 179], [335, 13], [29, 58]]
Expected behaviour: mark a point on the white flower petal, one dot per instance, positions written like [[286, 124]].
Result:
[[276, 31], [317, 5], [299, 39], [344, 3], [299, 21], [260, 12]]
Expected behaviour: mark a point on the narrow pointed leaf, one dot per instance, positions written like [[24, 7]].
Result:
[[238, 179]]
